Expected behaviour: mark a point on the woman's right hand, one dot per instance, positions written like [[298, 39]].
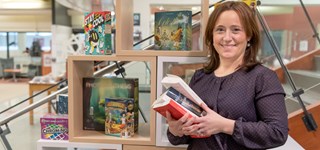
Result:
[[175, 126]]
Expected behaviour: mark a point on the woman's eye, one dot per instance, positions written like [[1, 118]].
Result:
[[236, 30], [219, 30]]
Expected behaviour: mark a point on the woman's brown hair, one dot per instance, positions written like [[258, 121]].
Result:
[[251, 28]]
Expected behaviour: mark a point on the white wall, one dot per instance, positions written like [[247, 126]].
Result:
[[79, 5], [60, 36], [25, 21]]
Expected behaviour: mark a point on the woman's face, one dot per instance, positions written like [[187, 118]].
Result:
[[229, 37]]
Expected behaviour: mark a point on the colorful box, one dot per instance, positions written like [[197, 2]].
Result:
[[96, 90], [173, 30], [119, 117], [98, 36], [54, 127]]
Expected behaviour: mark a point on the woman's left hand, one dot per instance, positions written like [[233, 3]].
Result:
[[211, 123]]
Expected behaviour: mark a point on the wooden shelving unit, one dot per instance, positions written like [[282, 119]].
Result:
[[82, 66], [124, 26]]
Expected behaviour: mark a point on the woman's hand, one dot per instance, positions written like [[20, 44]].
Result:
[[175, 126], [211, 123]]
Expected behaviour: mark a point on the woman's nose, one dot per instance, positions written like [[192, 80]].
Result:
[[227, 36]]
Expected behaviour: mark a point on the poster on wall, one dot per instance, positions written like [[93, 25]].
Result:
[[136, 19], [47, 60], [303, 45]]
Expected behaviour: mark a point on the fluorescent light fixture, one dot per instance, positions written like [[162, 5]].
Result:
[[194, 8], [22, 5]]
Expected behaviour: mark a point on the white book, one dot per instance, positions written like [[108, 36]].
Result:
[[177, 83]]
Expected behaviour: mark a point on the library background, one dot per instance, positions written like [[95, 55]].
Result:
[[56, 77]]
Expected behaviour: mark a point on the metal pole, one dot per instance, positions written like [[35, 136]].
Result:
[[3, 134], [307, 118], [122, 71], [316, 34], [8, 50]]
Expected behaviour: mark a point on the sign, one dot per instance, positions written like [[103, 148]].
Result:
[[136, 19]]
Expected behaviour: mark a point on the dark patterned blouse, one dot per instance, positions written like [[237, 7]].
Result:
[[254, 99]]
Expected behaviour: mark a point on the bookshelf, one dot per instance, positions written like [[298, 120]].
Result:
[[124, 25], [82, 66]]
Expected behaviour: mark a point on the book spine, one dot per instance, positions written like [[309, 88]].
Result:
[[173, 108], [185, 102]]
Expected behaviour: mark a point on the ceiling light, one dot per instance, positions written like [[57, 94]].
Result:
[[194, 8], [22, 5]]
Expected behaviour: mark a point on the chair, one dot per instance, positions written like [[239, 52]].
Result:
[[5, 64]]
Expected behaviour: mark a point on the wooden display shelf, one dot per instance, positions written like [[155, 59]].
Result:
[[140, 138], [193, 53], [82, 66], [124, 26]]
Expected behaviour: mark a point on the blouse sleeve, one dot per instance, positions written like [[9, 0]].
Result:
[[176, 140], [271, 130]]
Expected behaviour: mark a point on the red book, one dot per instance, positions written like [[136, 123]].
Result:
[[165, 103], [178, 105]]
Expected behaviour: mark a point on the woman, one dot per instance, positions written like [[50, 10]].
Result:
[[244, 100]]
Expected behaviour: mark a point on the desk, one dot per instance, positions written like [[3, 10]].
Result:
[[13, 71], [39, 87]]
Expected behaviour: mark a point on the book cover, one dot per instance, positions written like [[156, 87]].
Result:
[[96, 90], [173, 30], [178, 99], [184, 101], [119, 117], [62, 104], [177, 104], [97, 29], [178, 84], [165, 103]]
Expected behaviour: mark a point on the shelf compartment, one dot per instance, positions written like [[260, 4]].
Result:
[[82, 66], [124, 28]]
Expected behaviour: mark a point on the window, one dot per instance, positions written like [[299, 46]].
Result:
[[13, 41], [44, 39], [3, 41]]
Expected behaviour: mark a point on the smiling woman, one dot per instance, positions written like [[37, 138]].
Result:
[[229, 39], [244, 100]]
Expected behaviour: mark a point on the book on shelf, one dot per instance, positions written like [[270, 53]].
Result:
[[119, 117], [97, 29], [178, 99], [62, 104], [95, 92], [173, 30]]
